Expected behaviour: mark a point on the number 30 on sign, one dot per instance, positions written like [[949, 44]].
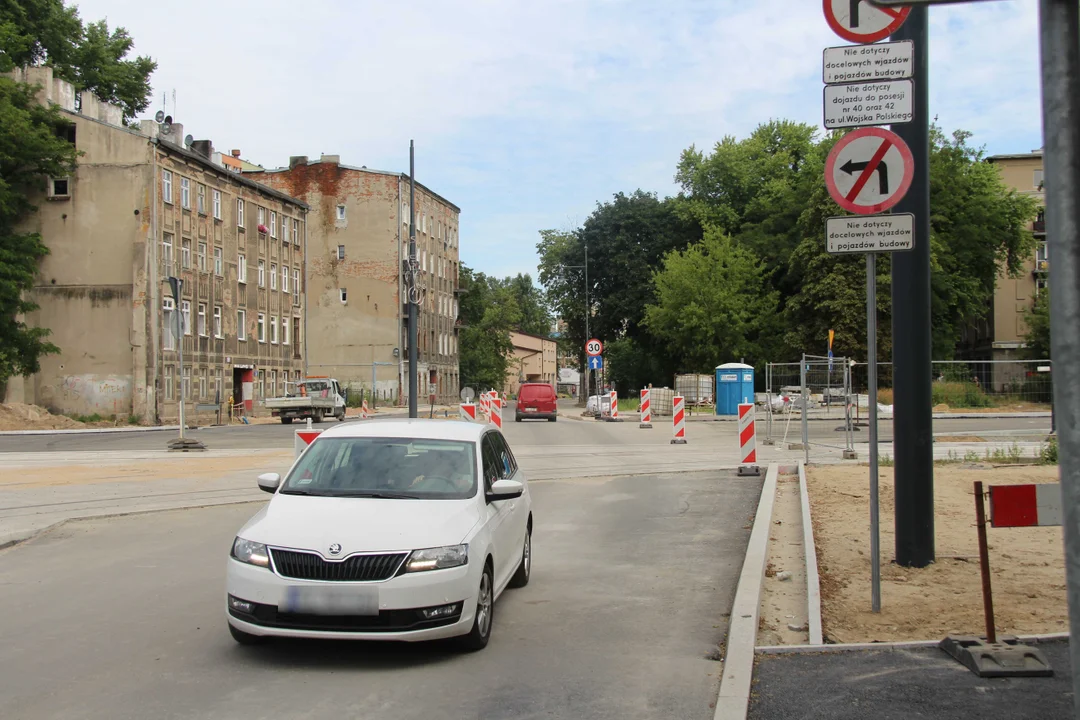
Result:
[[594, 347]]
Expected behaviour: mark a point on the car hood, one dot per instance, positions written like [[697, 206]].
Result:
[[361, 524]]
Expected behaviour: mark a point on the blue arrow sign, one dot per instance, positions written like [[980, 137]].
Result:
[[596, 362]]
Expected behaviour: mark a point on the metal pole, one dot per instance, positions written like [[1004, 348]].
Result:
[[984, 563], [871, 365], [180, 359], [374, 380], [413, 291], [913, 414], [588, 335], [805, 409], [1059, 22]]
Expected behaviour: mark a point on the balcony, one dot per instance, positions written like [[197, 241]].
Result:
[[1042, 267], [1039, 227]]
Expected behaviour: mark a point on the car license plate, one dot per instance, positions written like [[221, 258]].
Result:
[[530, 409], [356, 600]]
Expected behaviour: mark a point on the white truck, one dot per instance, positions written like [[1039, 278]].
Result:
[[314, 397]]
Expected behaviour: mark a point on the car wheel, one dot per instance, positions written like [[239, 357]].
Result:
[[284, 421], [553, 418], [318, 416], [478, 637], [245, 638], [521, 577], [517, 418]]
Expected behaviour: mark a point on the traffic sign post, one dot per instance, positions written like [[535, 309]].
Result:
[[596, 362], [872, 103], [594, 347], [867, 63]]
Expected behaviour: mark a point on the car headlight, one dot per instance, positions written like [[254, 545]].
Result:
[[438, 558], [252, 553]]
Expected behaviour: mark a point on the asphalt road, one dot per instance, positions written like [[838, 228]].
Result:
[[564, 432], [124, 618]]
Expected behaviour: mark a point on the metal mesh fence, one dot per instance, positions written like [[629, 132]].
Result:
[[972, 384]]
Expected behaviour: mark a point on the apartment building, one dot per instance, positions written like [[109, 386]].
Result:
[[1000, 335], [357, 249], [144, 205], [533, 360]]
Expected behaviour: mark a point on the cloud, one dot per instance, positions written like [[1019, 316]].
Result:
[[526, 114]]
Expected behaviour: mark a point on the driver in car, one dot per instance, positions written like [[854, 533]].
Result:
[[457, 472]]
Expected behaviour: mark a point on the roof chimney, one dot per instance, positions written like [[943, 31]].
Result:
[[235, 153], [331, 159], [203, 147], [297, 160]]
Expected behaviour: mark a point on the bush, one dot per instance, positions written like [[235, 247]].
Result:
[[1049, 453], [885, 397], [960, 395]]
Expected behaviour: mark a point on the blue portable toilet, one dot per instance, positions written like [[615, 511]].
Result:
[[734, 385]]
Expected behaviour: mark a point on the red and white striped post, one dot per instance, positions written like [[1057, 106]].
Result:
[[614, 405], [747, 440], [646, 410], [678, 420], [467, 412], [484, 403], [496, 411], [364, 409]]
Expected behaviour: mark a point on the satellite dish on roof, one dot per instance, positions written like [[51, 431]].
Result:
[[188, 140], [166, 128], [159, 116], [168, 119]]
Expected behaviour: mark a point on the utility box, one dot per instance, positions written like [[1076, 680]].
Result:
[[734, 385]]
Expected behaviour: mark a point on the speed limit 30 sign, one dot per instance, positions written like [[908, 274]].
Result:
[[594, 347]]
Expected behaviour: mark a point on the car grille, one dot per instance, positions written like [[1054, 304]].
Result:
[[358, 568], [385, 621]]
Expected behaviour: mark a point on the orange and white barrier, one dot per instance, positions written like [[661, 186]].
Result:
[[364, 415], [747, 444], [614, 405], [1025, 505], [496, 411], [483, 407], [303, 439], [467, 412], [646, 410], [678, 420]]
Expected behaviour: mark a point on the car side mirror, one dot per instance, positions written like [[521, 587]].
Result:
[[269, 482], [505, 490]]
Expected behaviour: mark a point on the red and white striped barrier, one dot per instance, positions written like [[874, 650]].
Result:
[[1025, 505], [646, 410], [303, 439], [614, 405], [678, 420], [496, 412], [747, 445], [364, 415], [467, 412], [483, 404]]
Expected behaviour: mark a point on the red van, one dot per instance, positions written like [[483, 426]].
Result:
[[536, 400]]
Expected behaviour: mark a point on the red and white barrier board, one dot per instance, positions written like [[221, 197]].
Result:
[[496, 412], [747, 444], [303, 439], [678, 420], [364, 410], [646, 410], [467, 412], [1025, 505], [614, 405]]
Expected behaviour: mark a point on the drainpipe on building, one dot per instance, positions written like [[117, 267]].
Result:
[[400, 328], [155, 302]]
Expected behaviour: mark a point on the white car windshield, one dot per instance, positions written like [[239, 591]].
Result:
[[391, 468]]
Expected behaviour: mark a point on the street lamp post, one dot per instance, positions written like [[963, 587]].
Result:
[[181, 443]]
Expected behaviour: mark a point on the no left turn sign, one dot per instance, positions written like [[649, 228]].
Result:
[[861, 22], [869, 170]]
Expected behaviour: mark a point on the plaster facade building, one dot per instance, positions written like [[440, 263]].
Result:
[[534, 360], [141, 207], [357, 248], [1000, 335]]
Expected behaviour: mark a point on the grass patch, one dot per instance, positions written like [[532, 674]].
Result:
[[94, 418], [959, 395], [134, 419]]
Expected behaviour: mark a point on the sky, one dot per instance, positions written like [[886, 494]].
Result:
[[527, 114]]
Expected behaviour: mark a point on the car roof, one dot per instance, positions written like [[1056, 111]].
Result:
[[419, 428]]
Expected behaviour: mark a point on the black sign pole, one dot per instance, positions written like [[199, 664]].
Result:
[[912, 412]]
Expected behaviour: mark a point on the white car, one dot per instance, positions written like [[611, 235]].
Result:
[[385, 530]]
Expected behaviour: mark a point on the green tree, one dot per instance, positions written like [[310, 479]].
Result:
[[488, 310], [712, 303], [535, 316], [1037, 337], [31, 148], [90, 57]]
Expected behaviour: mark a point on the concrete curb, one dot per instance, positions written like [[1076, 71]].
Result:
[[813, 580], [91, 431], [733, 700], [901, 645]]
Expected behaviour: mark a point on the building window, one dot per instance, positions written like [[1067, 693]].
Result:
[[261, 216], [284, 279], [296, 341], [284, 229], [186, 390], [170, 383], [261, 328], [202, 384], [1037, 179], [217, 204], [168, 322], [202, 257], [200, 198], [166, 186], [202, 319], [241, 325], [273, 381], [59, 188], [340, 212], [273, 224], [185, 315], [273, 330], [218, 262], [239, 213], [405, 214], [284, 331], [167, 253], [340, 252], [1040, 286], [185, 254], [217, 321], [218, 386], [344, 295], [241, 268], [423, 262], [1042, 253], [185, 193], [296, 286], [273, 276], [296, 232], [262, 273]]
